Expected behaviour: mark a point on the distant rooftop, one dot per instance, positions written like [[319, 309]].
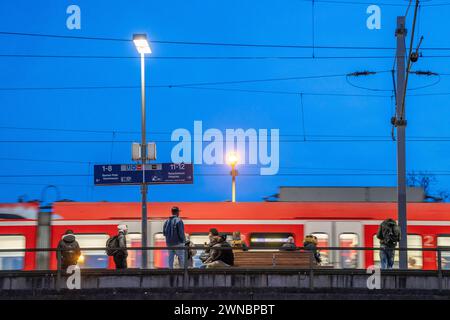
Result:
[[348, 194]]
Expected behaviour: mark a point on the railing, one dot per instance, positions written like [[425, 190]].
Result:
[[309, 269], [352, 253]]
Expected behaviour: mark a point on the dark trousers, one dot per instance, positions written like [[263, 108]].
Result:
[[120, 260], [387, 257]]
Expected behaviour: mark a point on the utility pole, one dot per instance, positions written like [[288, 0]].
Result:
[[143, 47], [144, 160], [400, 123]]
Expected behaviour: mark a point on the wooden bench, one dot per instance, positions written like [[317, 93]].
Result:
[[277, 259]]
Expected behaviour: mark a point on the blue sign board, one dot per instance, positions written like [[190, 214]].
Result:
[[153, 173]]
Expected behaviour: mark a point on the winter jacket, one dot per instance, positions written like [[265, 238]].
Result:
[[389, 233], [239, 244], [68, 250], [122, 244], [205, 254], [288, 246], [311, 246], [174, 231], [225, 256]]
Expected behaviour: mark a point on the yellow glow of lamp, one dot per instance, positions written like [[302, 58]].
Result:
[[232, 160], [81, 259]]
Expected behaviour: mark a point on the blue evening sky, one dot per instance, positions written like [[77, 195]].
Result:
[[285, 22]]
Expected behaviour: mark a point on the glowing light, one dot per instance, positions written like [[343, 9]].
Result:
[[81, 259], [232, 158], [141, 43]]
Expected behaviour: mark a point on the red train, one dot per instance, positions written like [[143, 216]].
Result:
[[261, 223]]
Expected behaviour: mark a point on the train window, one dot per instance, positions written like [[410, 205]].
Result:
[[134, 259], [274, 240], [12, 260], [444, 242], [92, 258], [348, 258], [415, 260], [323, 241]]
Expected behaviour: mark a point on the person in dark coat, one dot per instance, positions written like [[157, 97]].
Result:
[[213, 236], [220, 258], [389, 235], [120, 255], [237, 243], [310, 244], [68, 250], [289, 245]]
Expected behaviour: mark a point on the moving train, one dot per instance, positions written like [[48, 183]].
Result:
[[262, 224]]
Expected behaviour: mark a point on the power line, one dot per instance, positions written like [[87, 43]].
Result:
[[356, 137], [44, 184], [222, 174], [185, 84], [245, 165], [15, 55], [307, 140], [205, 43], [181, 85], [46, 160]]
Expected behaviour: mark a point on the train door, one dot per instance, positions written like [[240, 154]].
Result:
[[155, 238], [348, 234], [345, 234], [134, 239], [157, 258]]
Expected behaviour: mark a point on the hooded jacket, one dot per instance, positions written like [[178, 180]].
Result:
[[174, 231], [69, 249], [310, 244], [389, 233], [122, 244], [225, 256]]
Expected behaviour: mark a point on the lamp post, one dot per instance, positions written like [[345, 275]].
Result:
[[143, 47], [232, 160]]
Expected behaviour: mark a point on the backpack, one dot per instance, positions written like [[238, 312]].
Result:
[[69, 254], [111, 245]]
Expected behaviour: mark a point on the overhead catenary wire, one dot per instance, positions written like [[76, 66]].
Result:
[[304, 140], [64, 175], [194, 84], [116, 131], [205, 43]]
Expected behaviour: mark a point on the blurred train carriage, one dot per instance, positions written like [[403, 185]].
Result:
[[262, 224]]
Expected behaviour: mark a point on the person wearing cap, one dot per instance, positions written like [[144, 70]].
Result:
[[120, 255], [173, 230]]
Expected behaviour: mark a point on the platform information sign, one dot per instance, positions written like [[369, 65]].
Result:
[[133, 174]]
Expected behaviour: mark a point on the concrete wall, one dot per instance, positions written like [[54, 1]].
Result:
[[232, 279]]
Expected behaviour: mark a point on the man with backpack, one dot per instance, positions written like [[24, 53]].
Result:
[[389, 235], [174, 232], [116, 247], [68, 250]]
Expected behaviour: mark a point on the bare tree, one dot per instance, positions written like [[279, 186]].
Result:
[[425, 180]]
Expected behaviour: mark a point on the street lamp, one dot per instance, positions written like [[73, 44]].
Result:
[[232, 160], [143, 47]]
